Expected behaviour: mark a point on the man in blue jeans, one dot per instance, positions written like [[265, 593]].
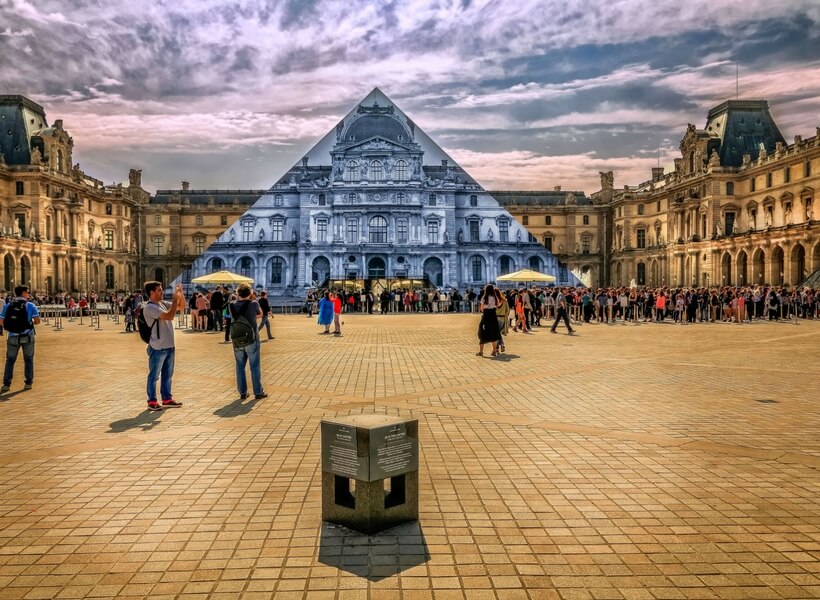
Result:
[[159, 316], [19, 318], [248, 353]]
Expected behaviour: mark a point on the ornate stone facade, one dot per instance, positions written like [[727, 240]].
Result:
[[60, 229], [739, 208], [384, 206]]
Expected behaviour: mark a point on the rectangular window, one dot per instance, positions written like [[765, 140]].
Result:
[[586, 217], [199, 245], [247, 231], [401, 231], [503, 231], [352, 235], [787, 174], [807, 169], [548, 220], [431, 200], [321, 230], [109, 239], [753, 184], [768, 180], [548, 243], [730, 188], [21, 189], [585, 241], [157, 218], [474, 231], [432, 232], [730, 223], [158, 243], [199, 220], [642, 238], [478, 269], [277, 227], [223, 219]]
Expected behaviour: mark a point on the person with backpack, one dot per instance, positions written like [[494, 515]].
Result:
[[18, 318], [155, 323], [245, 339], [267, 315]]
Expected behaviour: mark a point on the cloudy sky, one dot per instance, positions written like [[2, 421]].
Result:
[[525, 94]]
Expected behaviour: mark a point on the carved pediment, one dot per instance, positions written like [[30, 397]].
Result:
[[378, 144]]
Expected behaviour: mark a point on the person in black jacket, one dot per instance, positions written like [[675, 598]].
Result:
[[264, 305], [217, 304]]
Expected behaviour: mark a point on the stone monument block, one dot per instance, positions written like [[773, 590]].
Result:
[[370, 471]]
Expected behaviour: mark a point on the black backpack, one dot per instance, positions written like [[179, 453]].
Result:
[[243, 332], [142, 325], [16, 320]]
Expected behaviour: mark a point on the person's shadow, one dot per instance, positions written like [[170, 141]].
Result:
[[236, 408], [505, 357], [145, 421]]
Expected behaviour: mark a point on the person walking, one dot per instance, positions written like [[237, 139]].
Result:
[[217, 304], [264, 305], [245, 337], [326, 312], [18, 318], [488, 329], [337, 312], [159, 316], [561, 313]]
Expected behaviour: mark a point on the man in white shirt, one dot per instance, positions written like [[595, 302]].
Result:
[[159, 316]]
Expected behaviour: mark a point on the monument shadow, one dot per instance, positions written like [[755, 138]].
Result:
[[374, 557]]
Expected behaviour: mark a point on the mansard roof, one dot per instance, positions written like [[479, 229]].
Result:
[[743, 127], [221, 197], [19, 118], [553, 198]]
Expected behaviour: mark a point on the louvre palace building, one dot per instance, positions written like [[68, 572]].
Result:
[[377, 203]]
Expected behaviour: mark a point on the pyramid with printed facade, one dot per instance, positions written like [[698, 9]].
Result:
[[376, 205]]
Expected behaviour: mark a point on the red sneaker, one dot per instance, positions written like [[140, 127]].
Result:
[[170, 403]]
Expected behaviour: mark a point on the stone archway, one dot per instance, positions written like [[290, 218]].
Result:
[[758, 267], [815, 261], [777, 262], [742, 268], [434, 271], [320, 271], [798, 269], [726, 268]]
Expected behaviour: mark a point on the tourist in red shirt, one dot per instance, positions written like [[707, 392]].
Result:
[[337, 310]]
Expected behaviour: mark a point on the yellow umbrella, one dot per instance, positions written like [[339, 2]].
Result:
[[526, 275], [222, 277]]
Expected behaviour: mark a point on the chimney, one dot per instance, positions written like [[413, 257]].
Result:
[[185, 186], [657, 173], [557, 188]]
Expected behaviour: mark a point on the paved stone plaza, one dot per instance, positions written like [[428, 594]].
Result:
[[651, 461]]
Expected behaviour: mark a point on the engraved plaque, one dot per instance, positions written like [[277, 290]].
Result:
[[340, 451], [392, 452]]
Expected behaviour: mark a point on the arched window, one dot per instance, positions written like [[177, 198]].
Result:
[[277, 267], [376, 171], [473, 200], [109, 277], [504, 265], [352, 171], [378, 230], [641, 274], [246, 266], [535, 263], [400, 170], [477, 268]]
